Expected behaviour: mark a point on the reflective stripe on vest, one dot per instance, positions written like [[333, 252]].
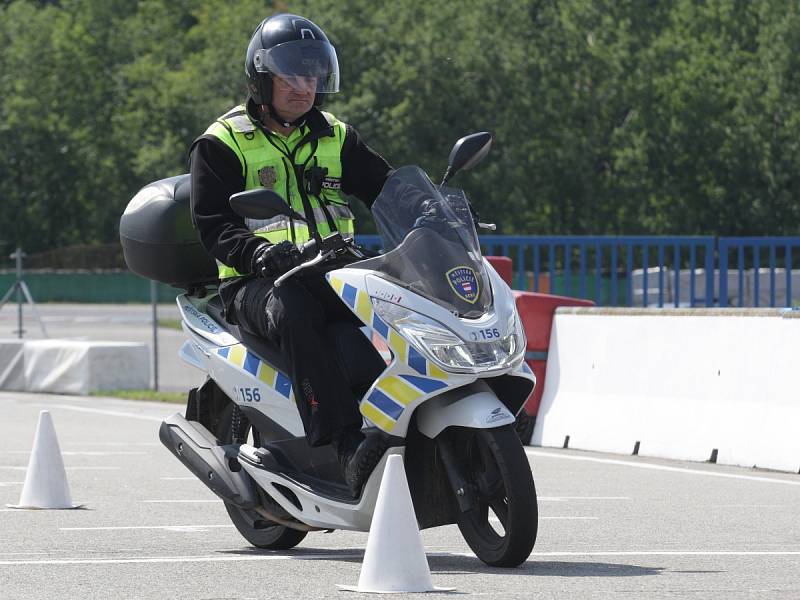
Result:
[[266, 163]]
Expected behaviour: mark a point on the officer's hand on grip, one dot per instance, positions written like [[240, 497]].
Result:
[[273, 260], [432, 216]]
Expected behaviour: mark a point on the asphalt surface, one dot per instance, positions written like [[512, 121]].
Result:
[[609, 526]]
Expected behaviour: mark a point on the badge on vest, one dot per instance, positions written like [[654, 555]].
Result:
[[332, 183], [267, 177]]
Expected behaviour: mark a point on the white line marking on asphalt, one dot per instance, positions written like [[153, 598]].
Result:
[[749, 506], [496, 520], [83, 453], [17, 468], [673, 553], [178, 478], [180, 501], [182, 528], [119, 444], [176, 559], [655, 467], [564, 498], [98, 411], [268, 557]]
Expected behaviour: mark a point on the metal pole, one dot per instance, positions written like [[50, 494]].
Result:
[[154, 301], [18, 256]]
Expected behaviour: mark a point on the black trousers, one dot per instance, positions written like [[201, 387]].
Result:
[[294, 316]]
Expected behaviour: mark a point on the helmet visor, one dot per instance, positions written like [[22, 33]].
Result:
[[302, 61]]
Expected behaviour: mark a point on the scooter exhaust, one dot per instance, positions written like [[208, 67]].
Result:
[[214, 465]]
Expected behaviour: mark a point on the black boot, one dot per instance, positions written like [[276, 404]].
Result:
[[358, 465], [345, 443]]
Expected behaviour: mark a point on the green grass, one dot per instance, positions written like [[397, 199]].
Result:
[[150, 395], [170, 323]]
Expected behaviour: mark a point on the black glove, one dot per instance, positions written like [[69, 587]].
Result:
[[464, 210], [273, 260], [431, 216]]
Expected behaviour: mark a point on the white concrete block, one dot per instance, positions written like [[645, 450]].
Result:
[[81, 367], [681, 382], [12, 374]]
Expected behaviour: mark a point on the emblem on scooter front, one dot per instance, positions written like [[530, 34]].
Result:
[[464, 283]]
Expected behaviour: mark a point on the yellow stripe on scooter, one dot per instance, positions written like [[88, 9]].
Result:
[[377, 417], [364, 307], [435, 371], [337, 284], [267, 374], [398, 390], [237, 354], [398, 345]]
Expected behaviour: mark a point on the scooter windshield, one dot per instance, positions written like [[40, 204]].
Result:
[[430, 243]]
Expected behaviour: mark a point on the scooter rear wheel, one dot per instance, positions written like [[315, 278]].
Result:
[[501, 527], [259, 531]]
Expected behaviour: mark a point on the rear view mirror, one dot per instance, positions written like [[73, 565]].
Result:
[[262, 204], [468, 152]]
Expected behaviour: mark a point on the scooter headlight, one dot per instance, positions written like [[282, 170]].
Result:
[[447, 349]]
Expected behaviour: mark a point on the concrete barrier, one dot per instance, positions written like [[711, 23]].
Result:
[[699, 384], [12, 374], [73, 366]]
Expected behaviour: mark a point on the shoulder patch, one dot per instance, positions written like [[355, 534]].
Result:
[[241, 124]]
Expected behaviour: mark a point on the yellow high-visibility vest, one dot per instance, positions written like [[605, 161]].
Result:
[[275, 162]]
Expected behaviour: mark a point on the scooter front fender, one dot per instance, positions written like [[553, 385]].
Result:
[[474, 405]]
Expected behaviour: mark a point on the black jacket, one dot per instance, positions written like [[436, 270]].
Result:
[[216, 174]]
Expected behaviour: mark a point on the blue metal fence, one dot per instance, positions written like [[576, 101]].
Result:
[[651, 270], [763, 272]]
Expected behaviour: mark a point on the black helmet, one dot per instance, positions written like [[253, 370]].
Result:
[[291, 46]]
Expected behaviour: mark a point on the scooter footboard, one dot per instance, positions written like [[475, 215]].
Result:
[[474, 406]]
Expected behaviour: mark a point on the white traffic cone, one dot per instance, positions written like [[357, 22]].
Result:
[[46, 480], [395, 560]]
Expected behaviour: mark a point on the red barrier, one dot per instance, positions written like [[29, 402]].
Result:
[[536, 311], [502, 264]]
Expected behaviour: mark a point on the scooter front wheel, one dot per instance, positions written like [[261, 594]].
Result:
[[259, 531], [502, 524]]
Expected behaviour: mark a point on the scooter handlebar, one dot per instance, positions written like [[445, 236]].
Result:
[[309, 263], [313, 255]]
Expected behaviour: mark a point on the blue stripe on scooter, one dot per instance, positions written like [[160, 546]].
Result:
[[416, 361], [283, 385], [251, 363], [381, 327], [349, 294], [385, 404], [423, 383]]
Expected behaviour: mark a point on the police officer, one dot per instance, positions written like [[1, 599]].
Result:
[[280, 139]]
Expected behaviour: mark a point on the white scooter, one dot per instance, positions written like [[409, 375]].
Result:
[[446, 400]]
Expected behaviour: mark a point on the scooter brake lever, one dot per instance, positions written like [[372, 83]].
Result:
[[309, 263]]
